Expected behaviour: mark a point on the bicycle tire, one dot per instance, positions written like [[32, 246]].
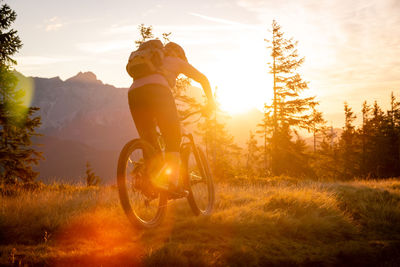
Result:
[[204, 171], [124, 192]]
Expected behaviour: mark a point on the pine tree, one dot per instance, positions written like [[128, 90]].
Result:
[[288, 108], [393, 133], [264, 132], [317, 125], [365, 136], [9, 40], [253, 154], [91, 178], [17, 124], [220, 146], [326, 161], [349, 145]]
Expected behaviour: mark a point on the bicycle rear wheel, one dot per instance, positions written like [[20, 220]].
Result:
[[144, 206], [198, 180]]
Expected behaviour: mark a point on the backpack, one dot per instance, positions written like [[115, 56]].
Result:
[[146, 60]]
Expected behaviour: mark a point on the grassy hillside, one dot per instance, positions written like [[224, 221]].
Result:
[[266, 222]]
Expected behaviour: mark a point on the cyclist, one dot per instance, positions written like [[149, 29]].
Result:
[[151, 103]]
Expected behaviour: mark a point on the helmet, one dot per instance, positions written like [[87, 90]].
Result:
[[175, 50]]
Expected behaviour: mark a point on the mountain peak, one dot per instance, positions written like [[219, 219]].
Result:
[[86, 77]]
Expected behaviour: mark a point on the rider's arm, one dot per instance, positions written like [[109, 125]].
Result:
[[181, 66], [199, 77]]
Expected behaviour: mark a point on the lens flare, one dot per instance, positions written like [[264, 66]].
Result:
[[26, 87], [20, 94], [168, 171]]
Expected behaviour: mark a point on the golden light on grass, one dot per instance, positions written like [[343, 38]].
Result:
[[99, 236], [272, 221]]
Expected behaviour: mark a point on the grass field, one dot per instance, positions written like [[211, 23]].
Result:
[[277, 221]]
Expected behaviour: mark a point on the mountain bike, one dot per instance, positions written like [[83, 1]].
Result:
[[144, 204]]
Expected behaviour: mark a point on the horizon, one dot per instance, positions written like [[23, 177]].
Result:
[[235, 114]]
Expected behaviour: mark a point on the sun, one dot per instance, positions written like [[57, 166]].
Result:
[[243, 81], [240, 96], [233, 102]]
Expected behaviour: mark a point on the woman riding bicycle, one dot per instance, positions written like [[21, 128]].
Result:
[[151, 103]]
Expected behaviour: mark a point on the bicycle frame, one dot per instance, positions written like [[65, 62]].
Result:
[[189, 136]]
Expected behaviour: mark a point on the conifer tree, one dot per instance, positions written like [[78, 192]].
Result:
[[91, 178], [326, 161], [348, 144], [253, 154], [368, 151], [263, 130], [17, 124], [288, 108], [393, 133], [223, 152], [317, 125]]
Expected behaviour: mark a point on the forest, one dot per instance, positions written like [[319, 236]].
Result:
[[370, 150]]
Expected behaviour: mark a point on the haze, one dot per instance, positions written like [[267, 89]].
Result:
[[352, 48]]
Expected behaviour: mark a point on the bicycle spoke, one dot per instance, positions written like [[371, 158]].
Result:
[[198, 183], [143, 200]]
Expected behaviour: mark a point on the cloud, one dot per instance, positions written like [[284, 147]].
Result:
[[176, 28], [53, 27], [105, 46], [213, 19], [355, 37], [350, 46], [122, 29], [41, 60], [53, 24], [56, 23]]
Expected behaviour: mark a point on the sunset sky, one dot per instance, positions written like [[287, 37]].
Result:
[[352, 48]]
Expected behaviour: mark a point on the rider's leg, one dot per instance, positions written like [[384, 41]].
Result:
[[143, 116], [156, 102], [168, 121], [142, 113]]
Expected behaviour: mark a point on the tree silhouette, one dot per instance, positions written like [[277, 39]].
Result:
[[253, 156], [317, 125], [348, 144], [17, 124], [91, 178], [288, 110], [220, 146], [370, 150]]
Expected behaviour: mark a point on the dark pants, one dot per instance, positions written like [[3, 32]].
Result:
[[153, 105]]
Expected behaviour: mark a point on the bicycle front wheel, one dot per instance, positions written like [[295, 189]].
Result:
[[144, 206], [198, 180]]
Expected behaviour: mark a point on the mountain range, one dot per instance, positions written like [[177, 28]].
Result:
[[85, 120]]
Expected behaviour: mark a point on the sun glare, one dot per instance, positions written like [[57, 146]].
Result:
[[241, 95], [243, 82], [233, 102]]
